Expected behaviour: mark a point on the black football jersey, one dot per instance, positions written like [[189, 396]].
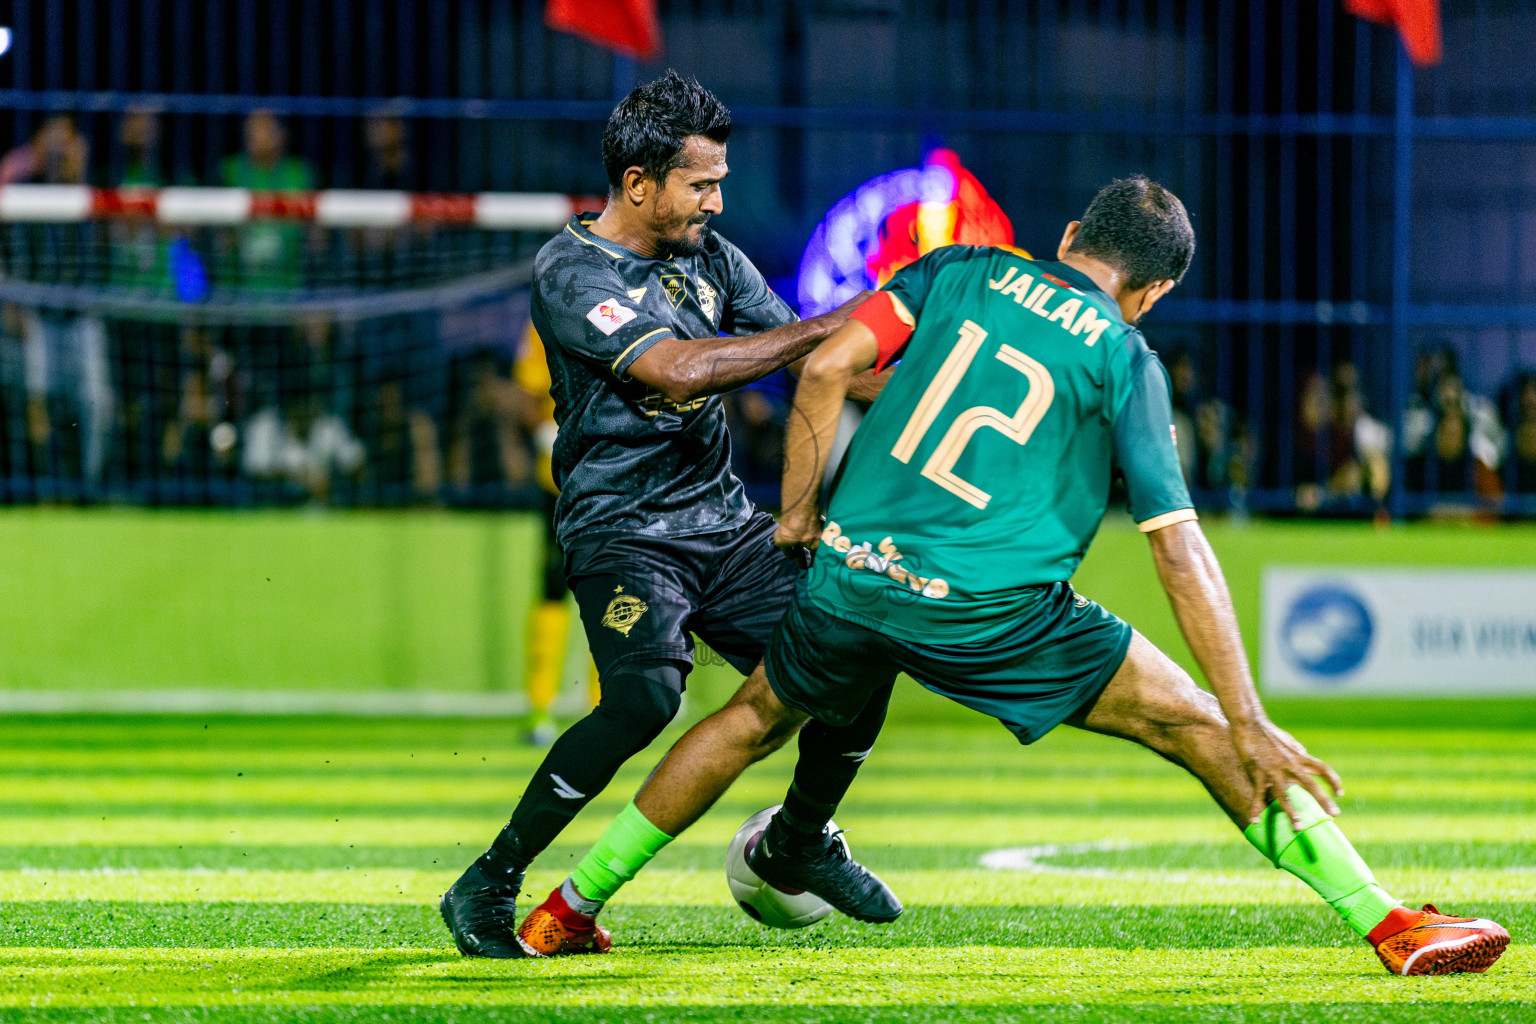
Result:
[[626, 458]]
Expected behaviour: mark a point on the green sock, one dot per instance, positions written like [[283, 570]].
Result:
[[628, 845], [1320, 856]]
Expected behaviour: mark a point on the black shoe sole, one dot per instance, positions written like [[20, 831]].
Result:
[[873, 919]]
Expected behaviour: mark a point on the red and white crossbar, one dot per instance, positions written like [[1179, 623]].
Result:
[[341, 208]]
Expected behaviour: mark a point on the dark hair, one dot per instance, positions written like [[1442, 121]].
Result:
[[649, 126], [1140, 228]]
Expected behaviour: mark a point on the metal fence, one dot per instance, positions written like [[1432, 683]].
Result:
[[1353, 337]]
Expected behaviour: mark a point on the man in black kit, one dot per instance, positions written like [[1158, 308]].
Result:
[[658, 535]]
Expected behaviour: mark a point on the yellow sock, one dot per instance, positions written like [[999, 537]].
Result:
[[546, 652]]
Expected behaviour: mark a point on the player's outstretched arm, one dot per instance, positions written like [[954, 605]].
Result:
[[685, 370], [864, 387], [1203, 607], [824, 385]]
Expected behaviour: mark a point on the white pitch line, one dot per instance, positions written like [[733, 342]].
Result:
[[362, 703], [1027, 858], [1030, 859]]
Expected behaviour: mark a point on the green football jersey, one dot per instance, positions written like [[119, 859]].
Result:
[[983, 469]]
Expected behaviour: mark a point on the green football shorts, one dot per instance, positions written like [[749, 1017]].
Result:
[[1056, 660]]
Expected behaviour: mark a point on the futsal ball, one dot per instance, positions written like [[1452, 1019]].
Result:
[[775, 907]]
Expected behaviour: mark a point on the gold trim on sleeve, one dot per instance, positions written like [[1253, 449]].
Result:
[[902, 312], [650, 334], [1183, 515]]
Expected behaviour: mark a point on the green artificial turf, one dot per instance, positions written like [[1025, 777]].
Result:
[[244, 870]]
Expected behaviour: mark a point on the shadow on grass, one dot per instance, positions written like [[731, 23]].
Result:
[[1225, 856], [73, 925]]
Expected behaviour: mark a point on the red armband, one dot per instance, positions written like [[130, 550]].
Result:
[[892, 324]]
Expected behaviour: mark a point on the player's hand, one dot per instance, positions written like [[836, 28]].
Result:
[[798, 533], [1274, 761]]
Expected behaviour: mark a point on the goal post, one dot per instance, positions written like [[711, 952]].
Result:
[[214, 346]]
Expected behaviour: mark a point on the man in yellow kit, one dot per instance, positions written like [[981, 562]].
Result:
[[550, 621]]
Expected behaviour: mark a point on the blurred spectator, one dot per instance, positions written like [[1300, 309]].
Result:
[[1445, 464], [389, 159], [139, 136], [382, 254], [1369, 470], [1339, 450], [68, 384], [487, 442], [1316, 449], [70, 402], [297, 442], [1454, 440], [14, 463], [1525, 433], [201, 440], [138, 246], [531, 373], [403, 445], [1212, 455], [56, 155], [270, 253], [1184, 382], [1223, 453], [1431, 365]]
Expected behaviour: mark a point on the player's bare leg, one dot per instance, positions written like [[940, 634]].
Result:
[[695, 772], [714, 753], [1154, 702]]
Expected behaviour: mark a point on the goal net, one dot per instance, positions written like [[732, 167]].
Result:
[[208, 346]]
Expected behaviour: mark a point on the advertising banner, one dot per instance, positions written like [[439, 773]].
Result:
[[1409, 632]]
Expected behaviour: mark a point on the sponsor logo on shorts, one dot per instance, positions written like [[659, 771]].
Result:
[[624, 611], [609, 315], [883, 560]]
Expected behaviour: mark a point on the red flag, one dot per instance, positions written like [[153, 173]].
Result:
[[1417, 21], [627, 26]]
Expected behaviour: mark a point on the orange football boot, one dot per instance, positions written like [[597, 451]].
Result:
[[554, 929], [1429, 942]]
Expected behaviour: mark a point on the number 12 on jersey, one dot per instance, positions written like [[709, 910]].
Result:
[[1017, 427]]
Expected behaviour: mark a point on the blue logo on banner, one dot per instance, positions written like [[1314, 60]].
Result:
[[1327, 631]]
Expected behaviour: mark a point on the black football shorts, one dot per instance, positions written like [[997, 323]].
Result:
[[642, 596]]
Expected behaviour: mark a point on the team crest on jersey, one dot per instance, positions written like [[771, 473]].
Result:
[[624, 611], [707, 298], [676, 287]]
